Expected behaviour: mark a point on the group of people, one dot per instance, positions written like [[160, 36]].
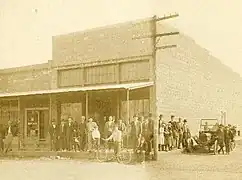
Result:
[[225, 136], [173, 134], [88, 135]]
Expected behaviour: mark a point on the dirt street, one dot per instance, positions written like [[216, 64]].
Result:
[[173, 165]]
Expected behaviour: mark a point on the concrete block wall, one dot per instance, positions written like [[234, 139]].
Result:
[[193, 84]]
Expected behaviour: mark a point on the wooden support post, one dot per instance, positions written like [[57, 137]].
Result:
[[50, 108], [128, 116], [118, 105], [153, 88], [127, 98], [86, 105], [19, 125]]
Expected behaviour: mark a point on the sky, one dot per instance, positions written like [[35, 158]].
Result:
[[27, 26]]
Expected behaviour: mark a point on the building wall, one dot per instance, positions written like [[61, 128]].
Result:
[[193, 84], [30, 78], [100, 44]]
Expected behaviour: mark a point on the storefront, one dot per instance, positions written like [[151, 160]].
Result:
[[35, 110]]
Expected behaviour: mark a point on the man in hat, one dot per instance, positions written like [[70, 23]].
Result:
[[180, 133], [62, 135], [69, 133], [1, 138], [108, 130], [186, 133], [53, 131], [90, 128], [220, 135], [82, 133], [227, 139], [135, 131], [174, 131], [11, 131]]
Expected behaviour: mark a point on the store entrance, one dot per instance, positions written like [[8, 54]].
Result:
[[102, 105], [36, 124]]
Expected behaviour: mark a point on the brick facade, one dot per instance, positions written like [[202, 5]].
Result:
[[29, 78], [193, 84], [101, 44]]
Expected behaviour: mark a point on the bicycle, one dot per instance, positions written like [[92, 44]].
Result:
[[105, 155]]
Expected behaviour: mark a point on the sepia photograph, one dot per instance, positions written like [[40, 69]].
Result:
[[120, 90]]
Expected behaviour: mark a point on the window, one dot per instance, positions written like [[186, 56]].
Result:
[[70, 77], [9, 111], [101, 74], [134, 71]]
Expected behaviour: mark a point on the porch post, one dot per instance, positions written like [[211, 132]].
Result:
[[86, 105], [50, 108], [127, 98], [19, 124], [118, 106], [50, 118]]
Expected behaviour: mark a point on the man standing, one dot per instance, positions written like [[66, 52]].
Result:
[[108, 130], [116, 136], [62, 135], [174, 131], [82, 133], [122, 128], [180, 133], [146, 131], [227, 139], [1, 138], [90, 127], [135, 132], [186, 133], [11, 131], [220, 135], [53, 131], [69, 134]]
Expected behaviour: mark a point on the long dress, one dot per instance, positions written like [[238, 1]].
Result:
[[161, 137]]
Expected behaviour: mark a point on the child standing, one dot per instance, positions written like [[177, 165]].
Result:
[[76, 140], [96, 138]]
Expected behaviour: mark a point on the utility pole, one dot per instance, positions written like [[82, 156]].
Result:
[[154, 35]]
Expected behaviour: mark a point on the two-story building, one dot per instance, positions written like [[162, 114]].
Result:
[[106, 71]]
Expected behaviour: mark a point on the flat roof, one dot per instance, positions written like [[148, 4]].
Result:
[[129, 86]]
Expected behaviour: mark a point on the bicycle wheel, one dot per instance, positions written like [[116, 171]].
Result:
[[102, 155], [125, 156]]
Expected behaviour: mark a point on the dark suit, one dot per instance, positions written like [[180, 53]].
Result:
[[69, 135], [227, 139], [62, 136], [1, 138], [82, 135], [53, 131], [135, 132], [147, 132]]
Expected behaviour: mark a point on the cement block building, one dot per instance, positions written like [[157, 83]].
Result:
[[105, 71]]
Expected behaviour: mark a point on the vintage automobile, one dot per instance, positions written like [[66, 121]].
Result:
[[206, 141]]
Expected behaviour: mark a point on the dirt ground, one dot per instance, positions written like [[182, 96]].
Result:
[[172, 165]]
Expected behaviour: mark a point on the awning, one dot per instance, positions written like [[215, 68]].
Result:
[[130, 86]]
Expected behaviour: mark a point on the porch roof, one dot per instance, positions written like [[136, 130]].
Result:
[[128, 86]]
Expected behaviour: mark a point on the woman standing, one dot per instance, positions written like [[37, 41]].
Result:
[[161, 138]]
